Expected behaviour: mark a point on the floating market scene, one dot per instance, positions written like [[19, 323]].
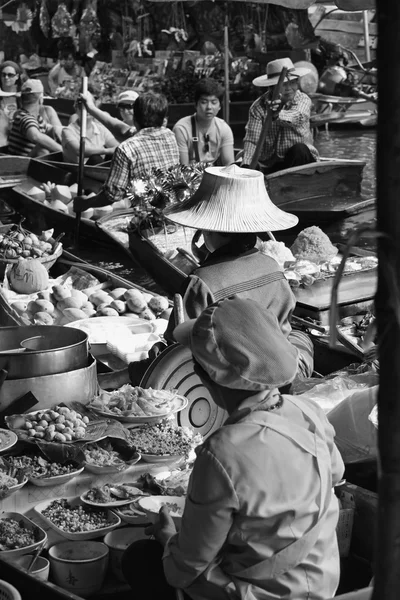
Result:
[[199, 300]]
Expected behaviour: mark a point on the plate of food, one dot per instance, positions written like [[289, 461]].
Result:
[[12, 479], [73, 520], [42, 472], [131, 514], [19, 535], [103, 459], [111, 495], [7, 439], [164, 441], [133, 404], [151, 506], [60, 424]]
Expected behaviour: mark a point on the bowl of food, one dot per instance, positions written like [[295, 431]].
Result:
[[131, 514], [111, 495], [73, 520], [102, 458], [42, 472], [40, 569], [79, 566], [151, 506], [12, 479], [118, 541], [19, 535]]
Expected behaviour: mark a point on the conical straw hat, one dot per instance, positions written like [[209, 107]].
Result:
[[231, 200]]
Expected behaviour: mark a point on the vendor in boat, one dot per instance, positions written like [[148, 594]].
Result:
[[153, 146], [10, 85], [30, 135], [65, 70], [260, 514], [204, 137], [229, 221], [121, 129], [289, 141], [99, 142]]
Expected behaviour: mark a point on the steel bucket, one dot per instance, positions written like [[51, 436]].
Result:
[[58, 350]]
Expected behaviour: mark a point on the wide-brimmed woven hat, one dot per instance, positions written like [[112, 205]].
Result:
[[231, 200], [240, 345], [274, 69]]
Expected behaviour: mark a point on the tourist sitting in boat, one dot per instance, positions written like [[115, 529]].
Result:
[[30, 135], [204, 137], [99, 142], [121, 129], [66, 70], [153, 146], [260, 514], [10, 85], [232, 264], [289, 141]]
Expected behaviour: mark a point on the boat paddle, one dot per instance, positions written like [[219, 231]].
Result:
[[81, 158], [268, 120]]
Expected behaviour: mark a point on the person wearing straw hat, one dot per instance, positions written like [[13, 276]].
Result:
[[289, 140], [260, 515], [230, 206]]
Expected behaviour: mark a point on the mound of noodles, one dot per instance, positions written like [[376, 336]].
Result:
[[314, 245]]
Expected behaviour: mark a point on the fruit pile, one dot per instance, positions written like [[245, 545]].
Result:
[[59, 425], [18, 242], [61, 305]]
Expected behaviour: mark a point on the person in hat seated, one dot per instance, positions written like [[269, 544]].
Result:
[[99, 142], [260, 514], [30, 134], [153, 146], [289, 141], [204, 137], [230, 206], [123, 128]]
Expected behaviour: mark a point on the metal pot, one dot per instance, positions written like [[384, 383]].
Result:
[[65, 349]]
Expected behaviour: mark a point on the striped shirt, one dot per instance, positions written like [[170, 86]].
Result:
[[291, 127], [152, 147], [18, 143]]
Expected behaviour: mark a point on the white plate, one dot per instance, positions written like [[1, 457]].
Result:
[[161, 458], [151, 506], [135, 516], [180, 402], [55, 479], [99, 328], [7, 439], [113, 519], [40, 534], [14, 488], [116, 503]]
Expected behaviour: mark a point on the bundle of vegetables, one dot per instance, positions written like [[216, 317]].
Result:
[[19, 242]]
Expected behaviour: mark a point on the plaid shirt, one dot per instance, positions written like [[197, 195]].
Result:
[[152, 147], [291, 127]]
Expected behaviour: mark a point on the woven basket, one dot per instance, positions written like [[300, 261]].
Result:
[[47, 262], [8, 591]]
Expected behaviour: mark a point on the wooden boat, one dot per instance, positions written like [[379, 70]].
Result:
[[95, 172]]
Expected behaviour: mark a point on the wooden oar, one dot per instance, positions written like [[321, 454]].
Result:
[[81, 158], [268, 120], [179, 314]]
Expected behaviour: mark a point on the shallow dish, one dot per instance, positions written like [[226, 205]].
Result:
[[55, 480], [180, 402], [7, 439], [161, 458], [14, 488], [122, 502], [104, 469], [112, 518], [131, 515], [39, 534], [151, 506]]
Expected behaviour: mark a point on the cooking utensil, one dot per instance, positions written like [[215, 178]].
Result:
[[35, 557]]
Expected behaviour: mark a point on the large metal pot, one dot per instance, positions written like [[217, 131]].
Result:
[[65, 349]]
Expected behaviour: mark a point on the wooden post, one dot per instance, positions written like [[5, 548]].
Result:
[[367, 40], [226, 66], [387, 555]]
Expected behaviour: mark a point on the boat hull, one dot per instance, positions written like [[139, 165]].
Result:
[[95, 172]]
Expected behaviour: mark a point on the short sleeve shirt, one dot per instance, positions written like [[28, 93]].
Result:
[[219, 136], [98, 137], [18, 143]]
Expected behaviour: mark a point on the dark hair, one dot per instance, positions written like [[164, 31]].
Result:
[[65, 53], [17, 69], [207, 87], [151, 110], [239, 243]]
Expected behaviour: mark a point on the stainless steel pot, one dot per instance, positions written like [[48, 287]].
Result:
[[65, 349]]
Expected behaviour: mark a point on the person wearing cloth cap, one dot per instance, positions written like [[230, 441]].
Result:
[[289, 140], [121, 129], [230, 206], [203, 137], [30, 134], [260, 514]]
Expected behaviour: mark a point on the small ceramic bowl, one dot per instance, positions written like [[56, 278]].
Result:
[[118, 541], [40, 569]]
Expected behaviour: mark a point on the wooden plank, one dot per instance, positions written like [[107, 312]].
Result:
[[346, 26]]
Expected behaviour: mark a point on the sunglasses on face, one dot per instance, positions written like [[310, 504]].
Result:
[[126, 106], [8, 74], [206, 143]]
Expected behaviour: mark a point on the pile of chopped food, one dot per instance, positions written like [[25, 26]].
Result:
[[136, 401], [278, 251], [6, 481], [109, 493], [165, 438], [314, 245], [75, 519], [102, 455], [14, 535], [172, 483], [39, 467]]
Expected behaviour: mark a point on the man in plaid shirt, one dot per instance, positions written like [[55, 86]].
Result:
[[289, 140], [153, 146]]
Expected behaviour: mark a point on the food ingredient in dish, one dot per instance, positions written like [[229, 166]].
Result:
[[60, 424], [39, 467], [102, 455], [109, 493], [173, 483], [6, 481], [174, 508], [278, 251], [14, 535], [165, 438], [136, 401], [314, 245], [75, 519]]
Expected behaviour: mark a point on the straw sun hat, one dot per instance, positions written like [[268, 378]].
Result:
[[231, 200], [274, 69]]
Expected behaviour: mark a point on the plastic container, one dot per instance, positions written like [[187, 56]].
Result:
[[118, 541]]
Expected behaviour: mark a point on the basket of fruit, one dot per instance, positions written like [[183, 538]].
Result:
[[18, 243]]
